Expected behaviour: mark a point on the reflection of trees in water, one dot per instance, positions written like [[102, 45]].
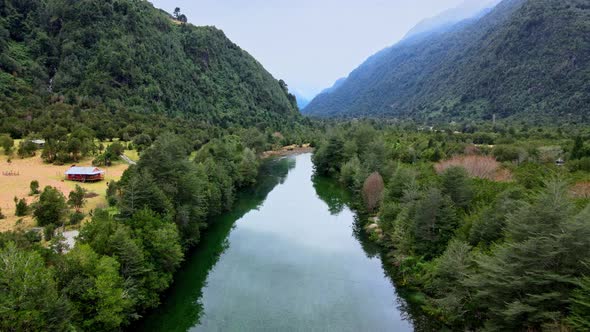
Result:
[[408, 301], [272, 172], [332, 193], [337, 198], [370, 248], [181, 306]]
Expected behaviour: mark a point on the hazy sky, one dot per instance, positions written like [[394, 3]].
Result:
[[310, 43]]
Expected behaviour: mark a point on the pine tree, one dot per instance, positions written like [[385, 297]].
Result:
[[580, 316], [526, 282], [434, 224], [455, 183]]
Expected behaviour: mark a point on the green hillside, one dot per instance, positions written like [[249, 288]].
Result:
[[526, 60], [127, 55]]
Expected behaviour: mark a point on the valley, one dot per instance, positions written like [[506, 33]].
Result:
[[156, 176]]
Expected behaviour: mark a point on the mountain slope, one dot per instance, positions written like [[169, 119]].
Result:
[[525, 59], [127, 54], [468, 9]]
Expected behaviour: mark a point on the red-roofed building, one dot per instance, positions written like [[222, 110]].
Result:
[[85, 174]]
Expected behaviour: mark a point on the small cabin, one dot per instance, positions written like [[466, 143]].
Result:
[[560, 162], [85, 174]]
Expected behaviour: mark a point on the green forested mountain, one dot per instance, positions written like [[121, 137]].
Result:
[[127, 55], [526, 59]]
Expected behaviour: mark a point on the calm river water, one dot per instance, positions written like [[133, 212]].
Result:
[[288, 258]]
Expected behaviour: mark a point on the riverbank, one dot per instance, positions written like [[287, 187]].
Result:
[[313, 271], [288, 150]]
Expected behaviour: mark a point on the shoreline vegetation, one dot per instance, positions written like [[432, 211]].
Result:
[[486, 229], [127, 253]]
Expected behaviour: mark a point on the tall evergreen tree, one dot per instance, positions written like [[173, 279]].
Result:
[[527, 281], [580, 316], [456, 184], [434, 223]]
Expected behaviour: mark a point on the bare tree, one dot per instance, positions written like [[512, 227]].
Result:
[[373, 191]]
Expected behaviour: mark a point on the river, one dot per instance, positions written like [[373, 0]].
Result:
[[287, 258]]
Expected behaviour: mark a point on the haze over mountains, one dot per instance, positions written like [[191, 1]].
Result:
[[468, 9], [523, 59]]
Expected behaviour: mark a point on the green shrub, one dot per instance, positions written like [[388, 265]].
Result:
[[48, 232], [76, 218], [22, 209]]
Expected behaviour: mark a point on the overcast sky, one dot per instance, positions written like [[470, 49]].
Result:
[[310, 43]]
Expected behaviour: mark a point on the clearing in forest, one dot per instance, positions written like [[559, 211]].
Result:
[[26, 170]]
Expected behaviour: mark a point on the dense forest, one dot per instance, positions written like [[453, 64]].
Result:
[[93, 78], [525, 60], [123, 55], [489, 225], [125, 257]]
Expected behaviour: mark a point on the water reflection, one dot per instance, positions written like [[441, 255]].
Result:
[[331, 193], [182, 304], [296, 260]]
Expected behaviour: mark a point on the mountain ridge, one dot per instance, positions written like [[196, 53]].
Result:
[[495, 65], [440, 23], [128, 54]]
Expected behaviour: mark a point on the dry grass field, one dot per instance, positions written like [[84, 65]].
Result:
[[30, 169]]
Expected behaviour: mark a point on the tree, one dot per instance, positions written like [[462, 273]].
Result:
[[374, 156], [402, 179], [7, 143], [74, 147], [488, 227], [77, 199], [176, 12], [329, 156], [22, 209], [114, 150], [248, 168], [580, 310], [350, 174], [139, 191], [29, 296], [34, 186], [435, 222], [51, 208], [451, 298], [373, 191], [26, 149], [578, 149], [109, 237], [142, 141], [93, 284], [160, 238], [527, 282], [456, 184]]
